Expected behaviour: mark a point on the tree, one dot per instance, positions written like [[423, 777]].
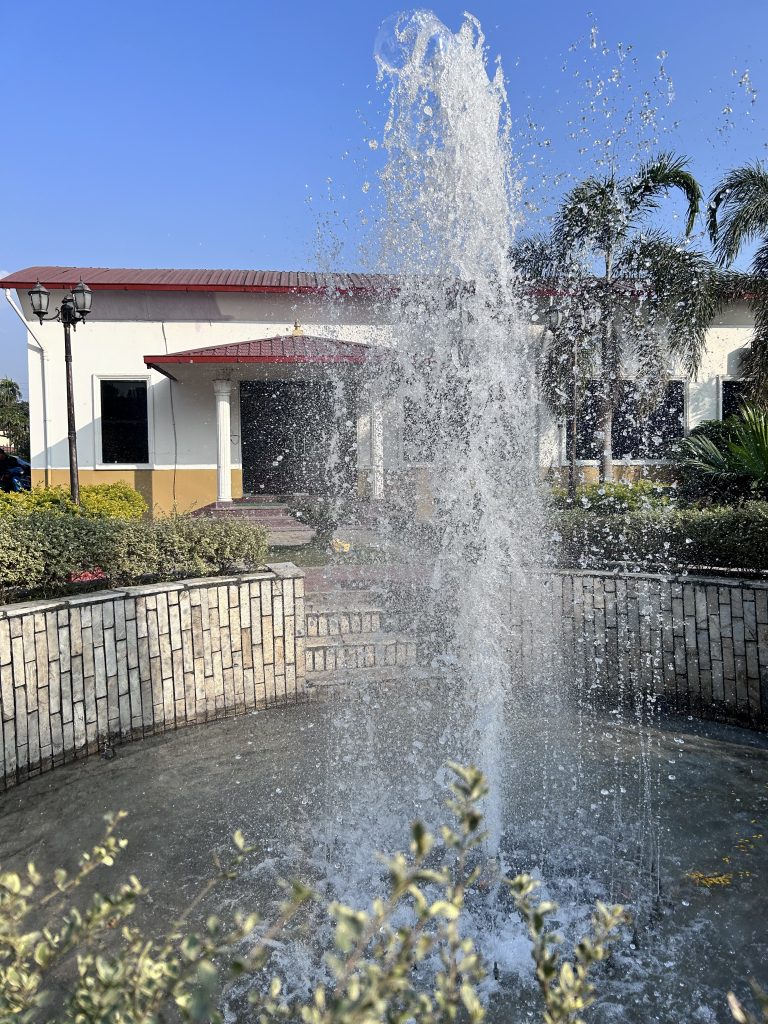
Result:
[[632, 300], [738, 216], [14, 416]]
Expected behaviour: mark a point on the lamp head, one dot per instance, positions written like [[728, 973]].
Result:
[[40, 297], [82, 295]]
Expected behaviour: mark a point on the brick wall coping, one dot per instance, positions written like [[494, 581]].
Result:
[[758, 582]]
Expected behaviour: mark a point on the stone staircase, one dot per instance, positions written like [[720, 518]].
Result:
[[351, 637], [269, 511]]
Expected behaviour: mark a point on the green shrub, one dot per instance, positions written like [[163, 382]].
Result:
[[695, 486], [42, 551], [114, 501], [48, 499], [720, 536], [616, 496], [740, 459]]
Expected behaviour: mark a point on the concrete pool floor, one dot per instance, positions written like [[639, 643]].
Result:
[[186, 792]]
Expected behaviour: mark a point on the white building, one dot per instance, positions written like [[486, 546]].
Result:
[[196, 386]]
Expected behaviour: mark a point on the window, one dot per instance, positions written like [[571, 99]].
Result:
[[124, 426], [636, 434], [733, 393]]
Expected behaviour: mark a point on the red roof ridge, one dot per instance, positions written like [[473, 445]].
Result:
[[163, 279]]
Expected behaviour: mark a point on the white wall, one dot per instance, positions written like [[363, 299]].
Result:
[[107, 345], [126, 326]]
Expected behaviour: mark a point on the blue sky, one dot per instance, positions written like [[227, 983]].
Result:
[[203, 135]]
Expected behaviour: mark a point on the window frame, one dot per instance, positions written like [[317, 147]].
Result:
[[98, 463], [679, 378]]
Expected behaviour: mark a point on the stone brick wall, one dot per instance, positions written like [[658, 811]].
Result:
[[117, 665], [700, 644]]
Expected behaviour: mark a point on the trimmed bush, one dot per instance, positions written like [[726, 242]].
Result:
[[117, 501], [616, 496], [42, 551], [114, 501], [731, 537]]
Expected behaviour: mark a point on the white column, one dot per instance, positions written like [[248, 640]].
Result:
[[377, 449], [223, 391]]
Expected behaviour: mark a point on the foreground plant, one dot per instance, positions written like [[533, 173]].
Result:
[[88, 965], [743, 1016]]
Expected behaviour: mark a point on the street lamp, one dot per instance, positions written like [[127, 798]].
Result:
[[73, 310]]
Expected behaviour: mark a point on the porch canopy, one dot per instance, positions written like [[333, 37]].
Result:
[[284, 357], [282, 350]]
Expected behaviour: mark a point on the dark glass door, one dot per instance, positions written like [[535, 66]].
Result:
[[297, 437]]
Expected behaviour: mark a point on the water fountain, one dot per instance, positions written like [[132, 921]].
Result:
[[461, 369], [581, 791]]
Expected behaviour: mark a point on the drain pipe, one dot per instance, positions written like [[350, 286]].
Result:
[[44, 361]]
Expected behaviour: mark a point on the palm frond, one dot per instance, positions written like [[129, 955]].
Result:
[[657, 178], [538, 259], [748, 448], [589, 216], [743, 456], [703, 454], [754, 287], [755, 360], [738, 211], [576, 338], [682, 292], [760, 262]]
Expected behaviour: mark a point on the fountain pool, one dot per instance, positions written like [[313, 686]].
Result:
[[266, 773]]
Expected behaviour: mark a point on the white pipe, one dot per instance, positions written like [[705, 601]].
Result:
[[44, 360]]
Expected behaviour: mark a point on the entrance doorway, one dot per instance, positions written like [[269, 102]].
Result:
[[297, 437]]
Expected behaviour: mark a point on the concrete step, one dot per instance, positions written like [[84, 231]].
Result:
[[359, 651], [254, 515], [348, 621], [320, 681], [338, 599], [283, 530], [280, 539]]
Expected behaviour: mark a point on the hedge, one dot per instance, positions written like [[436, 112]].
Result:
[[729, 537], [616, 496], [42, 552], [117, 500]]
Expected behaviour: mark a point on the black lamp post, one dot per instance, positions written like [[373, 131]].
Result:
[[73, 310]]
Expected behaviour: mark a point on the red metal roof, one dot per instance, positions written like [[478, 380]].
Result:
[[286, 348], [275, 281]]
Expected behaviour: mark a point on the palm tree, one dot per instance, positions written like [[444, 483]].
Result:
[[632, 300], [738, 216]]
